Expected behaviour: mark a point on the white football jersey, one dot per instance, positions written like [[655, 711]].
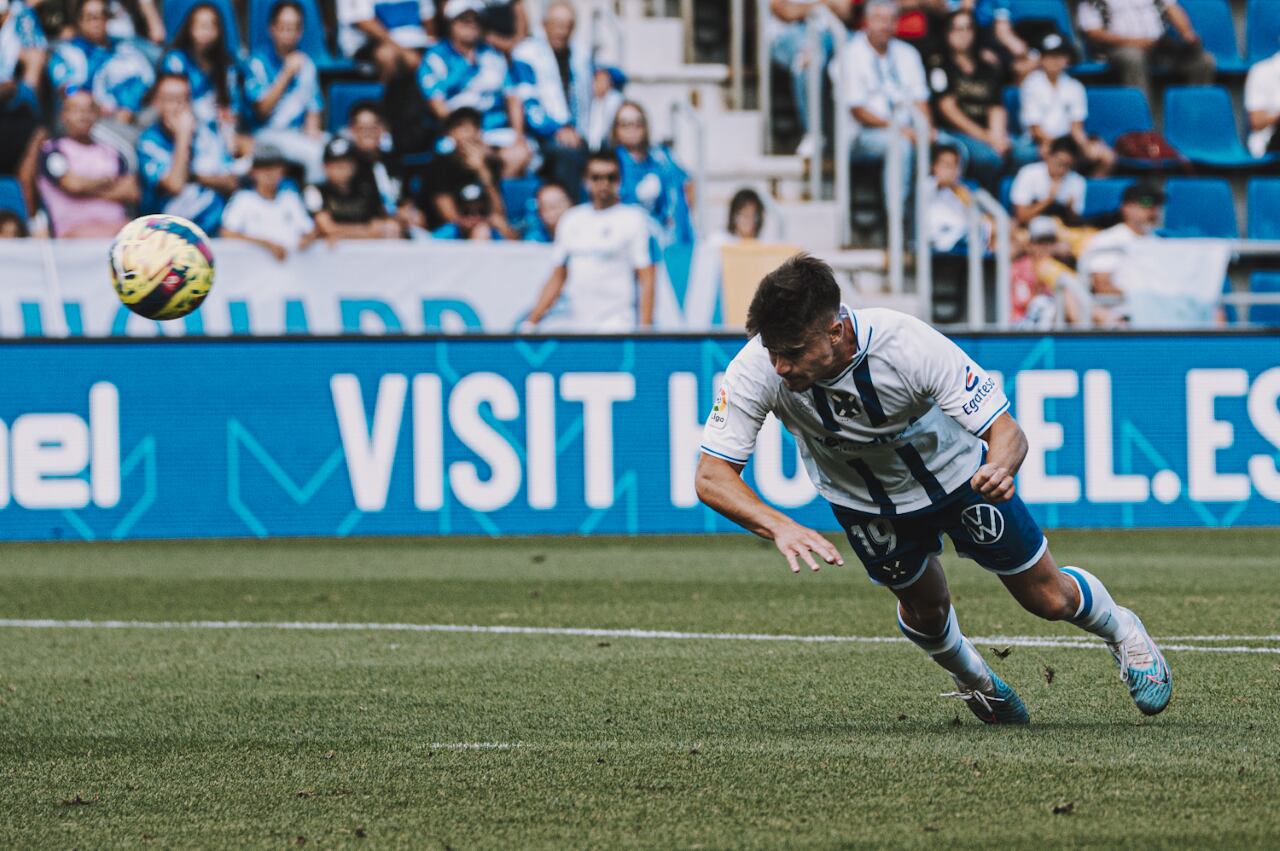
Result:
[[602, 249], [895, 432]]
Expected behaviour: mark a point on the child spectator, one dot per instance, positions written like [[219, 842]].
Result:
[[84, 184], [464, 71], [184, 164], [200, 53], [283, 88], [949, 204], [345, 208], [389, 33], [117, 73], [474, 215], [266, 215], [1050, 187], [651, 177], [1054, 105]]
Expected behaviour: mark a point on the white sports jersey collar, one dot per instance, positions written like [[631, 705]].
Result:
[[862, 333]]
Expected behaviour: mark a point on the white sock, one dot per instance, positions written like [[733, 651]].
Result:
[[952, 651], [1098, 613]]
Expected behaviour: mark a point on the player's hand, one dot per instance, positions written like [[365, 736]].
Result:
[[993, 483], [798, 543]]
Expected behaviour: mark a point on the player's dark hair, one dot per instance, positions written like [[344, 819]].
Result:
[[605, 155], [1065, 145], [286, 4], [792, 299]]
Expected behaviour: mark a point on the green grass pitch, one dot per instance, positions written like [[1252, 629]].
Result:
[[263, 737]]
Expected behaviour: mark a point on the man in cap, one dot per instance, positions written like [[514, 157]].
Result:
[[1141, 208], [266, 215], [1054, 105], [474, 217]]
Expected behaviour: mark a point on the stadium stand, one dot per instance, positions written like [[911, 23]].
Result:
[[1265, 314], [1264, 208], [1200, 207], [1116, 110], [1263, 28], [1213, 23], [1201, 124], [1102, 196]]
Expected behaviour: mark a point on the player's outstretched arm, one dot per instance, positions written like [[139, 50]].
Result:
[[719, 485], [1006, 450]]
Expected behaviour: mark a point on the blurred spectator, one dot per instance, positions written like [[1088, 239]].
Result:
[[1054, 105], [464, 71], [345, 208], [651, 177], [1141, 208], [882, 76], [949, 203], [474, 217], [603, 265], [997, 41], [1135, 34], [12, 226], [554, 80], [200, 53], [746, 215], [184, 164], [1262, 102], [22, 60], [117, 73], [1036, 276], [389, 33], [915, 23], [790, 44], [462, 158], [124, 18], [505, 23], [369, 140], [267, 215], [84, 184], [706, 270], [553, 202], [1050, 187], [283, 88], [967, 98], [606, 100]]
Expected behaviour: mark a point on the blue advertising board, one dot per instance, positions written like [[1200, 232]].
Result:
[[495, 436]]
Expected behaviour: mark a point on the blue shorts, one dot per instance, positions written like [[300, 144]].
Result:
[[1003, 538]]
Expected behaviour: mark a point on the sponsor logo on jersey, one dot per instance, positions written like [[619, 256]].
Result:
[[975, 402], [720, 410], [970, 378], [984, 522]]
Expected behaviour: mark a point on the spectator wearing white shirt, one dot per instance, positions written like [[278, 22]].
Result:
[[1133, 34], [1054, 105], [603, 263], [266, 215], [1050, 187], [882, 76], [1140, 211], [1262, 102], [390, 33], [283, 90], [949, 203], [790, 34]]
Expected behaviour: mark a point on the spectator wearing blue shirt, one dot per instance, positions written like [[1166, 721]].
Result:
[[283, 90], [22, 60], [200, 53], [464, 71], [651, 177], [184, 164], [389, 33], [117, 73], [553, 79]]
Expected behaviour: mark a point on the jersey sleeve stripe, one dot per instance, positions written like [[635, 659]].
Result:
[[993, 417], [711, 451]]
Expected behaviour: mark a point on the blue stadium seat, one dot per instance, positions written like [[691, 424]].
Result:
[[1263, 29], [312, 42], [1115, 110], [1013, 106], [1200, 123], [176, 11], [1006, 186], [341, 97], [1102, 195], [1265, 314], [1212, 22], [519, 197], [11, 197], [1053, 11], [1200, 207], [1264, 208]]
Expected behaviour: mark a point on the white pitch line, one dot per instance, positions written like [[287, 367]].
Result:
[[307, 626], [474, 746]]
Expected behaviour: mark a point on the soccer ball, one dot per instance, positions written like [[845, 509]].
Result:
[[161, 266]]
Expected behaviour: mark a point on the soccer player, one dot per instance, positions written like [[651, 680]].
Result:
[[907, 438]]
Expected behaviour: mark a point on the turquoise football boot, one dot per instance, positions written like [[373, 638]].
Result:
[[1143, 669], [998, 705]]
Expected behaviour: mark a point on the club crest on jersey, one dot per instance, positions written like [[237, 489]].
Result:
[[984, 522], [720, 409], [846, 405]]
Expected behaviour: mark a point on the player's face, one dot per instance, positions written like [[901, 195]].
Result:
[[602, 183], [802, 362]]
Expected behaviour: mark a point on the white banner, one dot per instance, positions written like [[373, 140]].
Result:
[[63, 288]]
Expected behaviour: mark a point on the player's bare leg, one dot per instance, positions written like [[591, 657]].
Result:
[[927, 618], [1076, 595]]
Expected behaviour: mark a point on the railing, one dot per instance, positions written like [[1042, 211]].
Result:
[[896, 207], [764, 67], [737, 40], [984, 204], [682, 108]]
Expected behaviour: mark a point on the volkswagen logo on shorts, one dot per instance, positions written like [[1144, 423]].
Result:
[[984, 522]]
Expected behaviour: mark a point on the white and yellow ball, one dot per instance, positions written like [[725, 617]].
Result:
[[161, 266]]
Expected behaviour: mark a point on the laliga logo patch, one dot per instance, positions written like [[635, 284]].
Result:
[[984, 522], [720, 410]]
